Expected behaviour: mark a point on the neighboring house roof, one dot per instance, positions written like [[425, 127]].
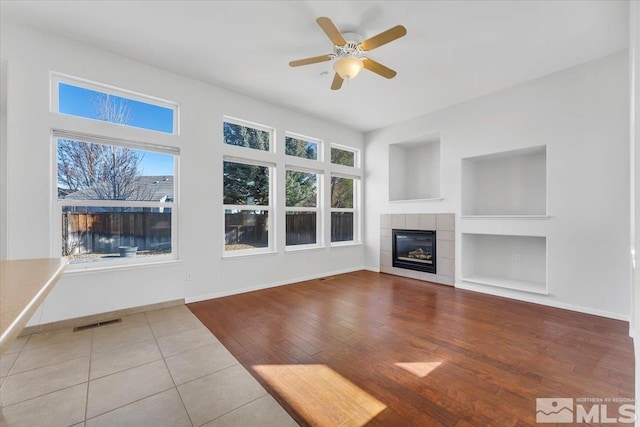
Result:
[[146, 188]]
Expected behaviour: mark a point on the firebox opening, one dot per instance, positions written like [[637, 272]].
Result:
[[415, 250]]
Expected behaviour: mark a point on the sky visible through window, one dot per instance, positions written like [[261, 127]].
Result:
[[81, 102]]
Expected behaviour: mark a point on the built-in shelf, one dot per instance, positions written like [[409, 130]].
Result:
[[414, 169], [505, 261], [500, 282], [506, 184]]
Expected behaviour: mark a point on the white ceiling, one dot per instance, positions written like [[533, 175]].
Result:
[[453, 50]]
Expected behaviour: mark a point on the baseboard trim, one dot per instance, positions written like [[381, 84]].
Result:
[[555, 304], [269, 285], [100, 317]]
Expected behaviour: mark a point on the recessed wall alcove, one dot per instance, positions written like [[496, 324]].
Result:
[[508, 183], [414, 169], [505, 261]]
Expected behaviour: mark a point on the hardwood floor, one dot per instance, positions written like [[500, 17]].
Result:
[[373, 349]]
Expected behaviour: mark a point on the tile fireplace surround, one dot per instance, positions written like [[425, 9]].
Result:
[[443, 224]]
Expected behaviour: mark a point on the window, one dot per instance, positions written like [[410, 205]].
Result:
[[247, 189], [301, 207], [115, 188], [87, 100], [343, 156], [246, 135], [296, 186], [343, 209], [246, 206], [300, 146], [115, 200]]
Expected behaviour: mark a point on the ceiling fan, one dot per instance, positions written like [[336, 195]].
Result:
[[350, 54]]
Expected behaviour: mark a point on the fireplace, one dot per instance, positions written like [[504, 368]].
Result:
[[414, 250]]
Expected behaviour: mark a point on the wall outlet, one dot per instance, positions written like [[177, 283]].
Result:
[[188, 275], [516, 257]]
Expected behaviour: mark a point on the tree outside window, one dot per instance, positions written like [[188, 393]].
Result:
[[302, 208], [342, 209]]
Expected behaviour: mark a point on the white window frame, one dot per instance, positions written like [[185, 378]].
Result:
[[317, 209], [319, 146], [58, 204], [355, 151], [251, 156], [57, 78], [267, 208], [355, 210]]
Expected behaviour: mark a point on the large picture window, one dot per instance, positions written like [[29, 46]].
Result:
[[115, 200], [301, 208]]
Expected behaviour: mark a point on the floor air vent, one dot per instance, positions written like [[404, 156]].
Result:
[[96, 325]]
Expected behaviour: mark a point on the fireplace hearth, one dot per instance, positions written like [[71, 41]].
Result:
[[414, 250]]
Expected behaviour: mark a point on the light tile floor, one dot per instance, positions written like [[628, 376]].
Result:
[[160, 368]]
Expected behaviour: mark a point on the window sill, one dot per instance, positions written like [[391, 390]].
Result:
[[78, 269], [302, 248], [246, 254], [429, 199], [345, 244]]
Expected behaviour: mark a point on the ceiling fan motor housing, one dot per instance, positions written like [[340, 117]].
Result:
[[351, 49]]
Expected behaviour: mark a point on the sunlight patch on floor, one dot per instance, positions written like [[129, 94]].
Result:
[[419, 369], [321, 395]]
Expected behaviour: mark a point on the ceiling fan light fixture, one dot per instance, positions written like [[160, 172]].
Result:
[[348, 67]]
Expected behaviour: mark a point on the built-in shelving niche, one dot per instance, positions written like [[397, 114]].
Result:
[[414, 169], [506, 184], [505, 261]]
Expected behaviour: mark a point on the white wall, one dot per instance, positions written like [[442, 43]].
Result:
[[581, 115], [31, 56], [634, 131], [3, 158]]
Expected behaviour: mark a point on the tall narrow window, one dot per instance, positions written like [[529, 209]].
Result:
[[247, 206], [247, 196], [116, 201], [343, 209], [302, 208]]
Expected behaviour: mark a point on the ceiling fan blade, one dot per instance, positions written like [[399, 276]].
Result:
[[313, 60], [330, 29], [337, 82], [384, 37], [378, 68]]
